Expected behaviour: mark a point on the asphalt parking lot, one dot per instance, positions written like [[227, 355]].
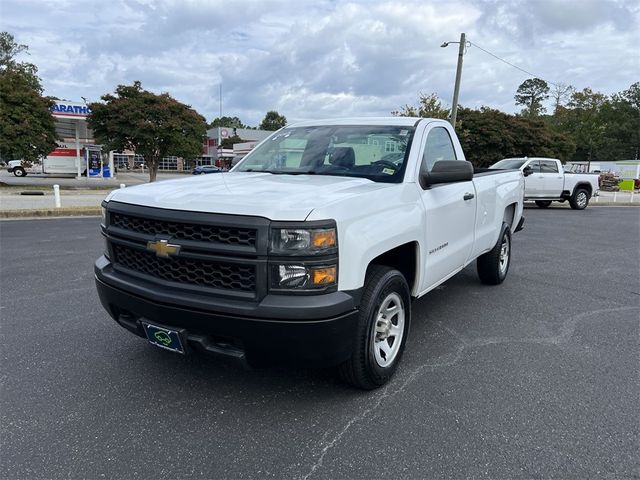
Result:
[[538, 377]]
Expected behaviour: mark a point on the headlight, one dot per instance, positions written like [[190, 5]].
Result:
[[303, 277], [104, 217], [303, 241]]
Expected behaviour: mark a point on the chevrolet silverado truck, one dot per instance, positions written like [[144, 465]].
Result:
[[546, 181], [311, 249]]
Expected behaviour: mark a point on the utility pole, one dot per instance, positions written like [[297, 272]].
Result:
[[219, 146], [456, 89], [220, 117]]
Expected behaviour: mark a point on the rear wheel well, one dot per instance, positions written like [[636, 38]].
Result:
[[584, 186], [403, 258], [509, 215]]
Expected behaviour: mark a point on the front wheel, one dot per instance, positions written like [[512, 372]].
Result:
[[19, 172], [493, 266], [543, 203], [580, 199], [383, 325]]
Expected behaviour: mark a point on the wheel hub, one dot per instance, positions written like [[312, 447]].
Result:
[[582, 199], [388, 330], [383, 328]]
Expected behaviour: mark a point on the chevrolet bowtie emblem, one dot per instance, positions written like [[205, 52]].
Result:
[[162, 248]]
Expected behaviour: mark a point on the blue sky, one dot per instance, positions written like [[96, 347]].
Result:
[[316, 59]]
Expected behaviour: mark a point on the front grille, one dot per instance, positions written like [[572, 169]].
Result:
[[185, 231], [227, 276]]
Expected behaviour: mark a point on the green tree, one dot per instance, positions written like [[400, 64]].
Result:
[[581, 119], [9, 49], [273, 121], [154, 126], [531, 93], [620, 125], [27, 128], [229, 142], [561, 93], [228, 122], [429, 106], [488, 135]]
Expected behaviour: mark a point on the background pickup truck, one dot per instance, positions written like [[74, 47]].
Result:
[[311, 249], [546, 181]]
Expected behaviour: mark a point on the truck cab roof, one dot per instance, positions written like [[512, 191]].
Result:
[[400, 121]]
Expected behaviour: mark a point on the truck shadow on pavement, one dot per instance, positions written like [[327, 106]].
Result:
[[203, 375]]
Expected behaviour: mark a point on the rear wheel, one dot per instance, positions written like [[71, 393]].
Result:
[[383, 324], [493, 266], [543, 203], [580, 199], [19, 172]]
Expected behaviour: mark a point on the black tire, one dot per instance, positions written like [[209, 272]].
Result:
[[491, 268], [580, 199], [19, 172], [543, 203], [363, 370]]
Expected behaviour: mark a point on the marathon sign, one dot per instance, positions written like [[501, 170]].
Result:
[[70, 110]]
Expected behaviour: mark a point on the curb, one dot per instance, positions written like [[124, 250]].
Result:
[[52, 212], [614, 204]]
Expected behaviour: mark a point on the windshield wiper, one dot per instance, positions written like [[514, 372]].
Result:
[[282, 172]]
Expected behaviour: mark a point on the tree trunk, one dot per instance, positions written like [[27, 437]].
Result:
[[153, 171]]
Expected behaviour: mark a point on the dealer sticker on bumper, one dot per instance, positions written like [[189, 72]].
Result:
[[163, 337]]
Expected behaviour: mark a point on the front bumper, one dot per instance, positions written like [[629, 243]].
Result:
[[316, 330]]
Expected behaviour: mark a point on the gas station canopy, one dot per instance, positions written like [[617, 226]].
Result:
[[71, 125]]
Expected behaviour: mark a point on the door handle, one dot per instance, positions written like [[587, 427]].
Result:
[[468, 196]]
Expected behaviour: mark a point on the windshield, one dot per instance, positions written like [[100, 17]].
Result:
[[509, 163], [375, 152]]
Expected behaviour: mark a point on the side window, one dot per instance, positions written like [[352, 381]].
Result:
[[548, 166], [438, 147], [535, 166]]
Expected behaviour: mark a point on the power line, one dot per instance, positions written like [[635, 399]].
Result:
[[512, 65]]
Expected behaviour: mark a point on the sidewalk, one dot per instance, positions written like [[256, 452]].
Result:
[[616, 198], [129, 178], [11, 199], [77, 196]]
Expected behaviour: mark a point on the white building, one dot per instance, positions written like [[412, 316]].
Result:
[[211, 154]]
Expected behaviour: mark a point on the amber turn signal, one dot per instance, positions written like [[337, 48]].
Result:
[[324, 275], [323, 238]]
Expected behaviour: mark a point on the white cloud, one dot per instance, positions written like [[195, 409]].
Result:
[[311, 59]]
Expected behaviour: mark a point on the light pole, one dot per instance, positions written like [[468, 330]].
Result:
[[456, 89], [219, 146]]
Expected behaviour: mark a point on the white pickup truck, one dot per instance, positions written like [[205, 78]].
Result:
[[312, 248], [546, 181]]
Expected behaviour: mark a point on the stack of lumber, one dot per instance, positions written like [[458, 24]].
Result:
[[609, 182]]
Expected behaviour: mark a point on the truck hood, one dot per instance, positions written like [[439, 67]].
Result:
[[276, 197]]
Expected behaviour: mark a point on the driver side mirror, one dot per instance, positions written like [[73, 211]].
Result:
[[526, 171], [447, 171]]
